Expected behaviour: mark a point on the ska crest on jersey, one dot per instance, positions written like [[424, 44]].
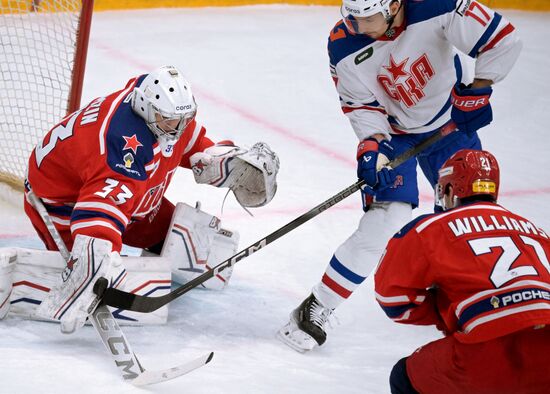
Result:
[[405, 81]]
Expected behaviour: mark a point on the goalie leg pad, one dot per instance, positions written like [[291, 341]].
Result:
[[73, 300], [196, 243], [7, 265], [37, 271]]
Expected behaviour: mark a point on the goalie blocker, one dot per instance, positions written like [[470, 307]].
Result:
[[194, 243]]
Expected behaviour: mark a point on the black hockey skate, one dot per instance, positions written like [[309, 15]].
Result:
[[306, 328]]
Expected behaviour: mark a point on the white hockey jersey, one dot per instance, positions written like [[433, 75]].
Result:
[[402, 84]]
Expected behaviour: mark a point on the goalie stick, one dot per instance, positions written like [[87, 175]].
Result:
[[138, 303], [108, 329]]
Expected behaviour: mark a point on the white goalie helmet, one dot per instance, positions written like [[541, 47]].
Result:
[[352, 9], [165, 101]]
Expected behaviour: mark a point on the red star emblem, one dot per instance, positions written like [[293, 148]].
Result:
[[131, 143], [71, 263], [397, 70]]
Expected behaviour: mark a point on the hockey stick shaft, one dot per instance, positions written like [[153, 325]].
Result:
[[133, 302], [102, 319]]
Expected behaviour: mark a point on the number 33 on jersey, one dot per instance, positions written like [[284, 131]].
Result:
[[101, 167]]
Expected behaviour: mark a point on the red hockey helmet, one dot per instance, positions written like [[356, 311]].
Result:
[[470, 173]]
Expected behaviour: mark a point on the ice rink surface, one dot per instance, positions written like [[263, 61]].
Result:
[[261, 74]]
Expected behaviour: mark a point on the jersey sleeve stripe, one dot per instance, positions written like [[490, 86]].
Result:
[[347, 109], [397, 312], [503, 301], [485, 36], [59, 210], [104, 207], [152, 166], [511, 311], [93, 223], [398, 299], [509, 28], [79, 215], [489, 293], [107, 119], [59, 221], [194, 138]]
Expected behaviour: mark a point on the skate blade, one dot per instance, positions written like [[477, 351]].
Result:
[[296, 339]]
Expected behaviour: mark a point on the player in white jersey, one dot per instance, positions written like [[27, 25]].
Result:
[[397, 72]]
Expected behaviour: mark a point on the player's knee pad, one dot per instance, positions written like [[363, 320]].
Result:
[[362, 250], [399, 380], [8, 258], [196, 243]]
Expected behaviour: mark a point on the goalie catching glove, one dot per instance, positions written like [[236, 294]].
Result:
[[74, 299], [250, 173]]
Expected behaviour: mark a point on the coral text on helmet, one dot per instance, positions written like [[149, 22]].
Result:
[[183, 107]]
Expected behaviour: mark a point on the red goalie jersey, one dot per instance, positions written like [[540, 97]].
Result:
[[101, 168], [478, 271]]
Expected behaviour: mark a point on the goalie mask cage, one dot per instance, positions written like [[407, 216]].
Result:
[[42, 61]]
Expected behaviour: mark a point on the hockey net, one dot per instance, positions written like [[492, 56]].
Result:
[[42, 59]]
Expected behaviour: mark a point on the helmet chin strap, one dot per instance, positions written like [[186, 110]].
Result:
[[389, 21]]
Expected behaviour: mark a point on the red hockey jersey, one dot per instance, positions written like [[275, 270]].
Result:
[[478, 271], [101, 167]]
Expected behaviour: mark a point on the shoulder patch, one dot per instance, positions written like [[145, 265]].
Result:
[[342, 43], [129, 143]]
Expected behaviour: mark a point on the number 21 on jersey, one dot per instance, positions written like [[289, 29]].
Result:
[[503, 272]]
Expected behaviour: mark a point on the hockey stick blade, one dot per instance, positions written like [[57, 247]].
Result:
[[148, 377], [133, 302]]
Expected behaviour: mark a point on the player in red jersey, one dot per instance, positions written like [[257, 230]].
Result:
[[481, 275], [102, 172]]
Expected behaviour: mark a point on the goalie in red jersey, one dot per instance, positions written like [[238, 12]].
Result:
[[102, 172], [480, 274]]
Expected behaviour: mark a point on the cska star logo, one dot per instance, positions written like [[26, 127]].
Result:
[[406, 85], [68, 269], [131, 143]]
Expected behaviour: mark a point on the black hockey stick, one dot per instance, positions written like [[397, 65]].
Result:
[[120, 299]]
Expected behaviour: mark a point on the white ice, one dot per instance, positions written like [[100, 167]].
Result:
[[261, 73]]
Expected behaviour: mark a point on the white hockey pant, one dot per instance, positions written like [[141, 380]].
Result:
[[355, 259]]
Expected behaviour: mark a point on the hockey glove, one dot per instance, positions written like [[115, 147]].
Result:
[[372, 157], [471, 107]]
